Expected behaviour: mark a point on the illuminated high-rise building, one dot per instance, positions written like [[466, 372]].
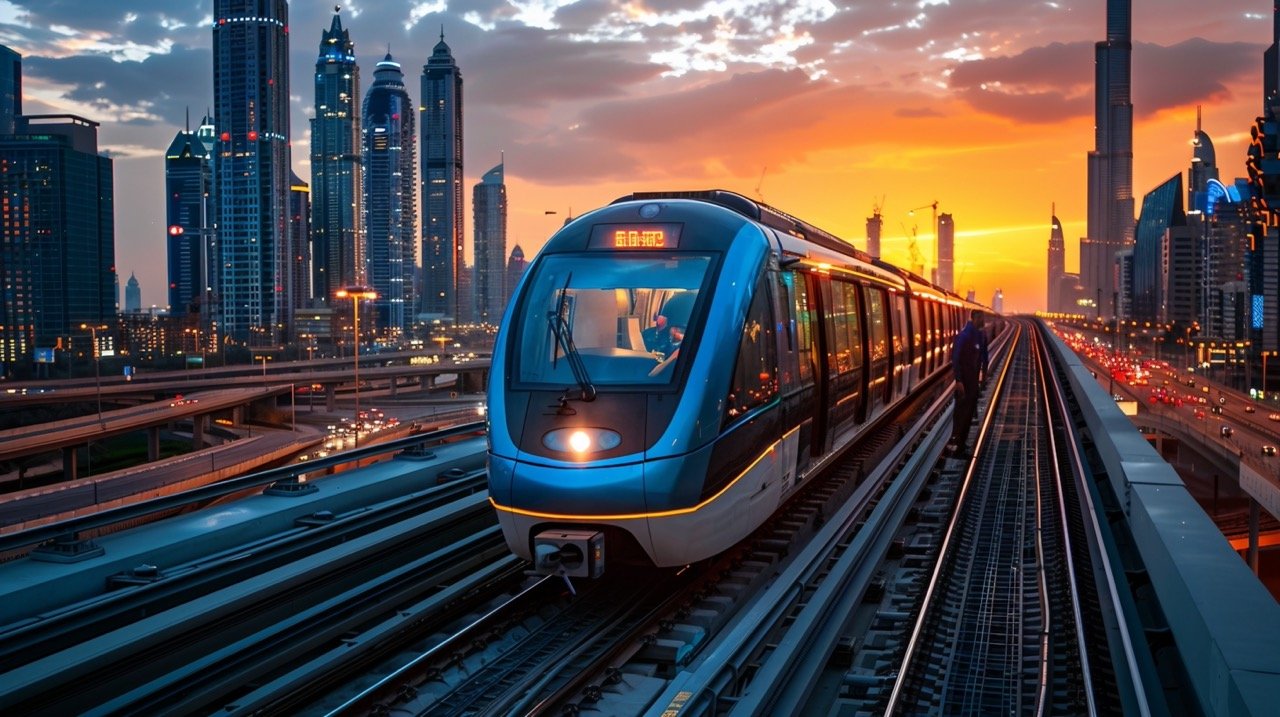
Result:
[[1057, 263], [10, 90], [489, 202], [516, 264], [442, 219], [189, 206], [390, 184], [336, 223], [946, 251], [251, 165], [57, 235], [298, 279], [1110, 217]]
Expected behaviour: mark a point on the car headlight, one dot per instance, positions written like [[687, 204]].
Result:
[[581, 440]]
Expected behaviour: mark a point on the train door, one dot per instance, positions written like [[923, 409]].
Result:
[[845, 379], [901, 343], [919, 369], [799, 379], [879, 365]]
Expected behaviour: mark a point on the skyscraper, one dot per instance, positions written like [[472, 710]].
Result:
[[132, 295], [946, 251], [251, 167], [442, 220], [1110, 217], [298, 279], [1057, 262], [1162, 210], [10, 90], [516, 265], [875, 223], [57, 234], [336, 221], [489, 202], [188, 184], [389, 189]]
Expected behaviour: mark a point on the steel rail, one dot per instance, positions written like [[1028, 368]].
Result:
[[908, 655], [101, 519], [1112, 589], [1059, 399]]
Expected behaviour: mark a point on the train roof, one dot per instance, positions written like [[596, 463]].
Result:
[[787, 224]]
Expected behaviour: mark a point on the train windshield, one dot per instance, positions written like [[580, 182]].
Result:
[[625, 316]]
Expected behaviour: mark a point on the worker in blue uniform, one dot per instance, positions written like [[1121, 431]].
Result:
[[969, 361]]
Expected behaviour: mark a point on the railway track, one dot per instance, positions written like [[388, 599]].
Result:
[[901, 583]]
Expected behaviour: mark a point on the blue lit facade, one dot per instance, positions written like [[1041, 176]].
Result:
[[336, 222], [251, 166], [189, 205], [57, 235], [390, 184], [1161, 210], [442, 219]]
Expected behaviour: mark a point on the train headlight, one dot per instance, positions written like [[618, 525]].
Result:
[[581, 440]]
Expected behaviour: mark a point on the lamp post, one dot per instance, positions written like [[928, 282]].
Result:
[[97, 369], [356, 293]]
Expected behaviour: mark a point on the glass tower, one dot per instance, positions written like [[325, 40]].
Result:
[[188, 183], [335, 166], [57, 234], [1110, 216], [251, 166], [389, 187], [489, 202], [442, 220]]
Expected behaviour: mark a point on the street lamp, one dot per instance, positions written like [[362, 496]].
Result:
[[97, 369], [356, 293]]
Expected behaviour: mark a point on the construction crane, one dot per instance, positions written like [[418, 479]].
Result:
[[917, 259], [760, 183]]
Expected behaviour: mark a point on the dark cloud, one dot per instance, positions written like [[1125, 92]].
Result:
[[565, 71], [1055, 82], [148, 23], [162, 84], [917, 112]]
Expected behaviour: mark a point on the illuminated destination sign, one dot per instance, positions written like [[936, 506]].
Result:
[[635, 236]]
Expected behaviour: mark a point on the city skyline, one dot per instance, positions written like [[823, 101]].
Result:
[[822, 112]]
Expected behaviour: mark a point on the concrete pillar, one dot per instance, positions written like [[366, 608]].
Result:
[[392, 385], [1253, 535], [330, 397], [69, 463], [197, 430], [237, 415], [153, 443]]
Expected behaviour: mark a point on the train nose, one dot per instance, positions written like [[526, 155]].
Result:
[[572, 553]]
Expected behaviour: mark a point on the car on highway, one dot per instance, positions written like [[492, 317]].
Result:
[[1268, 450], [1249, 408], [1274, 417], [1226, 431], [178, 400]]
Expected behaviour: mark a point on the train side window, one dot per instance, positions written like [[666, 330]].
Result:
[[802, 322], [854, 324], [917, 328], [878, 335], [841, 359], [755, 375]]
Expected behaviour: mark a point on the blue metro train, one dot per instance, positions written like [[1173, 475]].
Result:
[[674, 365]]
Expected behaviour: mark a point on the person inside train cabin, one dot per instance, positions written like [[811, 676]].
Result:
[[665, 335], [969, 361]]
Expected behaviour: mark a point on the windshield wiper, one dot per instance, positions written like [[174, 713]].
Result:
[[564, 337]]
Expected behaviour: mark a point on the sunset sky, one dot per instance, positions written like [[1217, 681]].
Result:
[[829, 108]]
